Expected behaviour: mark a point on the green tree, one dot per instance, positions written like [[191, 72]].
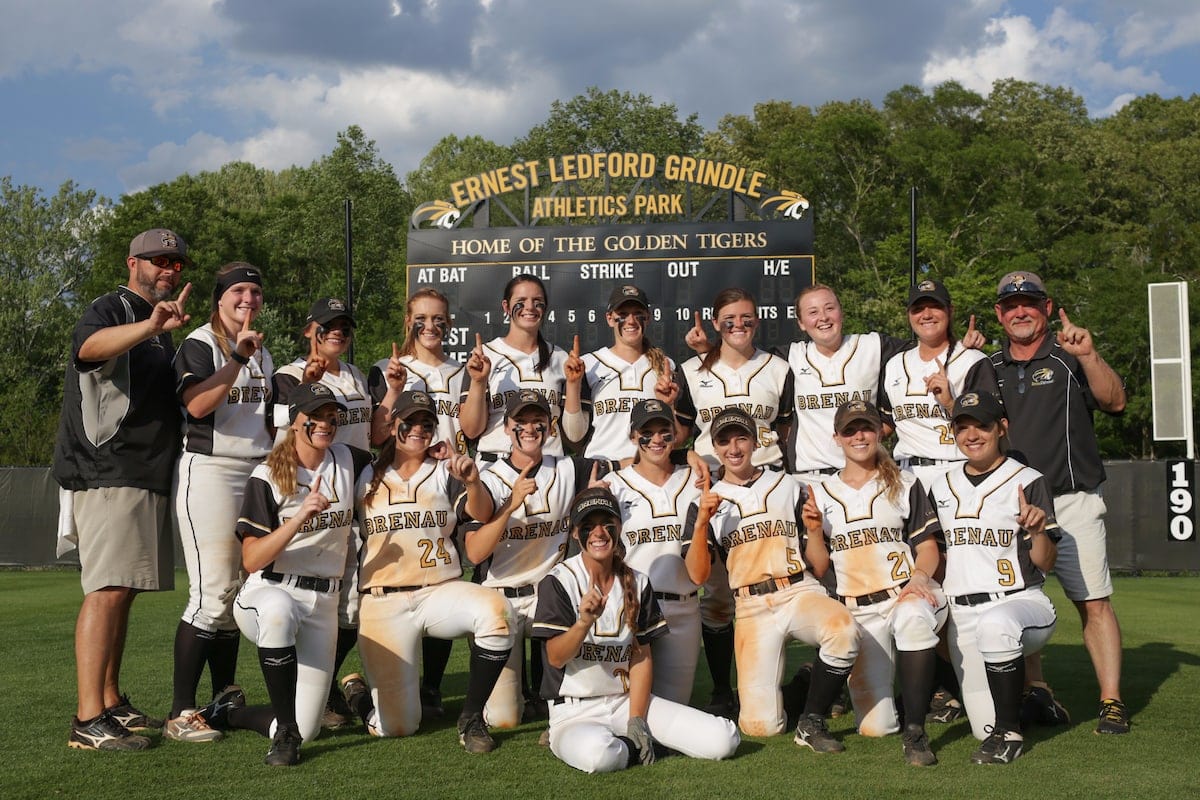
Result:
[[47, 245]]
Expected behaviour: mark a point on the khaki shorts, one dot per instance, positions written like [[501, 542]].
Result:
[[125, 539], [1082, 563]]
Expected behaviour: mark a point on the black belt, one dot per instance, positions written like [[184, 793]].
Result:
[[391, 589], [872, 598], [527, 590], [922, 461], [673, 596], [303, 581], [981, 597], [489, 456], [771, 585]]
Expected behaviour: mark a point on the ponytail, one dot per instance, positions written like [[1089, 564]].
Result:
[[282, 462]]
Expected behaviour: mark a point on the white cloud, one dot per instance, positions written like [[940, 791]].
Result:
[[1064, 51], [1146, 33]]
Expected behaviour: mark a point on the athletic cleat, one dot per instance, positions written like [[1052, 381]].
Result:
[[1114, 717], [337, 714], [133, 719], [216, 713], [1040, 707], [285, 747], [1000, 747], [104, 733], [723, 704], [431, 704], [916, 747], [812, 733], [190, 726], [473, 734], [358, 695], [544, 738], [943, 707]]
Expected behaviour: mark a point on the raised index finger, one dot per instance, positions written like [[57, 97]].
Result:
[[312, 346], [479, 342], [1062, 315], [247, 320], [395, 351], [316, 487], [697, 325], [575, 347], [971, 324], [183, 293]]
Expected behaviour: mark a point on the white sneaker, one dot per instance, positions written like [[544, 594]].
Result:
[[190, 726]]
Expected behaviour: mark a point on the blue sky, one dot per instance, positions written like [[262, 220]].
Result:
[[123, 94]]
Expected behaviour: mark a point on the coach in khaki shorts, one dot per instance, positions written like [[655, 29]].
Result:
[[1051, 385], [118, 439]]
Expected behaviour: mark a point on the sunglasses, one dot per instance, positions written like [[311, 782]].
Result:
[[173, 263]]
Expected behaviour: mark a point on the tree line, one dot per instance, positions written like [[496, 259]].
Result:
[[1023, 178]]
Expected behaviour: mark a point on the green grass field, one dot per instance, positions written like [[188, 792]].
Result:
[[37, 611]]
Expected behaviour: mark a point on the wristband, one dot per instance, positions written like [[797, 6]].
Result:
[[239, 358]]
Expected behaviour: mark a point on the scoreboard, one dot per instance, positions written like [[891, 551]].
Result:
[[680, 266]]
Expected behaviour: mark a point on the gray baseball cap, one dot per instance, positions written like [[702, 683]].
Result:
[[159, 242]]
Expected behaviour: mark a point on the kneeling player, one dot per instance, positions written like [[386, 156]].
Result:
[[598, 617]]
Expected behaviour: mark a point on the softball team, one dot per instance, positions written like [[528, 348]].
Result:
[[619, 625]]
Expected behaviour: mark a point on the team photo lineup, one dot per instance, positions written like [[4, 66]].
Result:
[[596, 526]]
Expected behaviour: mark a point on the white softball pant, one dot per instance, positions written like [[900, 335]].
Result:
[[281, 615], [802, 611], [995, 632], [390, 627], [583, 732], [207, 496], [886, 627]]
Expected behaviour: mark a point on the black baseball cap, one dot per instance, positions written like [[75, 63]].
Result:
[[648, 410], [732, 418], [413, 402], [856, 410], [980, 406], [524, 399], [932, 290], [308, 397], [594, 501], [1021, 283], [159, 242], [326, 310], [627, 294]]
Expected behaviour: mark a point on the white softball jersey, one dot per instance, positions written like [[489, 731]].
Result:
[[652, 520], [349, 388], [986, 550], [923, 426], [321, 547], [821, 384], [538, 533], [601, 667], [611, 388], [871, 539], [761, 387], [408, 527], [511, 372], [237, 428]]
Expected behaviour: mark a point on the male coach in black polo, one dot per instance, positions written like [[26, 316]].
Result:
[[1051, 385], [118, 439]]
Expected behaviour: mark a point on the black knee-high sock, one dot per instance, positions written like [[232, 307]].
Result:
[[252, 718], [486, 666], [279, 672], [191, 653], [435, 655], [536, 670], [824, 687], [1006, 681], [222, 659], [944, 677], [916, 682], [718, 653], [347, 638]]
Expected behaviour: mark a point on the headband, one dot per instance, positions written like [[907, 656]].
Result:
[[238, 275]]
